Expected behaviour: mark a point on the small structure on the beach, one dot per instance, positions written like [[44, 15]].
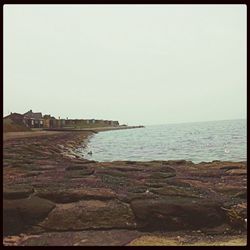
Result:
[[49, 121], [112, 123], [60, 123], [46, 121]]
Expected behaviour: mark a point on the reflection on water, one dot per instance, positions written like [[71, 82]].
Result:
[[203, 141]]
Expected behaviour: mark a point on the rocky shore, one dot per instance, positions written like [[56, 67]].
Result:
[[53, 197]]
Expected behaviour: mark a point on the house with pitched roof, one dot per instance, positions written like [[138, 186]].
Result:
[[17, 118], [33, 120]]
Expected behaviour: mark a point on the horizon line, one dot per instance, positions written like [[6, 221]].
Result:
[[195, 121]]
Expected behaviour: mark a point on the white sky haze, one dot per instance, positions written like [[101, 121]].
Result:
[[139, 64]]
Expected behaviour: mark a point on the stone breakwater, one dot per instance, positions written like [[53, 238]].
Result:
[[53, 197]]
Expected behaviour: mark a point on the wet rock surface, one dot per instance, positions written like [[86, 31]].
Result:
[[22, 213], [50, 192], [172, 213]]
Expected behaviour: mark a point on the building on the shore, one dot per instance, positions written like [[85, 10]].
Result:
[[63, 123], [15, 117], [33, 120], [79, 122], [115, 123], [46, 121], [107, 122], [90, 121], [29, 119], [49, 121], [52, 122], [71, 122], [60, 123], [84, 122], [36, 120], [112, 123]]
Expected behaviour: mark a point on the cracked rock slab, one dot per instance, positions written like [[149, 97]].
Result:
[[91, 214]]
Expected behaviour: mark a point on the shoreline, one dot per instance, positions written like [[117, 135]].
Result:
[[142, 198], [94, 129], [34, 133]]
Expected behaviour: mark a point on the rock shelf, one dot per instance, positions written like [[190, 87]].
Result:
[[54, 197]]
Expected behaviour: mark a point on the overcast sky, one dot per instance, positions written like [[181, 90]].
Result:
[[139, 64]]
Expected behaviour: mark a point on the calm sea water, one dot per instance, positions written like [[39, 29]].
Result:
[[201, 141]]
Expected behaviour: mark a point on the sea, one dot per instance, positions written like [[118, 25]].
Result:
[[197, 142]]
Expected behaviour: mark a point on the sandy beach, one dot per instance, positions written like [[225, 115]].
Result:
[[53, 197]]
